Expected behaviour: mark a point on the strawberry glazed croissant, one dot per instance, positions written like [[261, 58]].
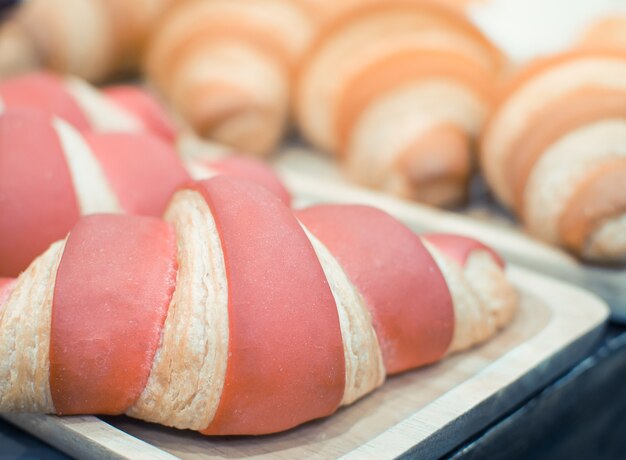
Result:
[[554, 151], [237, 316], [51, 174], [398, 90]]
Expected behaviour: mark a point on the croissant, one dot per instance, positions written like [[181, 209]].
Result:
[[92, 39], [226, 66], [51, 174], [554, 152], [236, 316], [398, 90]]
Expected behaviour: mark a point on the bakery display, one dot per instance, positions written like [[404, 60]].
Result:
[[399, 90], [554, 152], [237, 316], [158, 284]]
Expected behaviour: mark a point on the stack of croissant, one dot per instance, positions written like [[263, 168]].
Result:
[[237, 70], [398, 90], [234, 314]]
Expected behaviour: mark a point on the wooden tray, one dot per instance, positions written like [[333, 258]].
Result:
[[425, 412], [313, 178]]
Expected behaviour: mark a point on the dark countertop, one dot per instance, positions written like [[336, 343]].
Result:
[[582, 414]]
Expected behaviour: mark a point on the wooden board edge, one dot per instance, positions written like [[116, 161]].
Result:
[[519, 248], [86, 437], [587, 322], [68, 433]]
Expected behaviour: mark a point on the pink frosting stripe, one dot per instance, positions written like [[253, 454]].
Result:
[[113, 288], [37, 199], [46, 92], [286, 363], [403, 288], [143, 170]]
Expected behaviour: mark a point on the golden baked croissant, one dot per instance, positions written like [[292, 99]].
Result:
[[398, 90], [237, 316], [226, 66], [554, 150], [92, 39]]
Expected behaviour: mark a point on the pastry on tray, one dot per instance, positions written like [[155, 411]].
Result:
[[237, 315]]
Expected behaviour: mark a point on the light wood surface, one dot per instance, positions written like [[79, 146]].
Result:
[[86, 437], [313, 178], [428, 411]]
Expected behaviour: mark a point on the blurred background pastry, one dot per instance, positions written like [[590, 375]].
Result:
[[398, 90], [554, 150]]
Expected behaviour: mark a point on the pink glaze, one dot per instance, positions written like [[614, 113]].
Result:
[[113, 288], [37, 199], [404, 290], [46, 92], [286, 363]]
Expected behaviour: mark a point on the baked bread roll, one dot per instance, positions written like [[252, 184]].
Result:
[[236, 316], [91, 39], [226, 66], [554, 151], [398, 90]]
